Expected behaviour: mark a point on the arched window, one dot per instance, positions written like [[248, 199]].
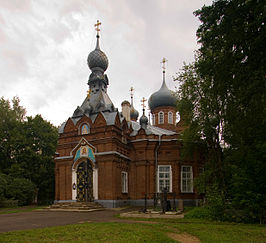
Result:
[[153, 119], [170, 117], [84, 129], [160, 117]]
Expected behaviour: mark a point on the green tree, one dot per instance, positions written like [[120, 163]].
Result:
[[222, 96], [27, 147], [11, 116]]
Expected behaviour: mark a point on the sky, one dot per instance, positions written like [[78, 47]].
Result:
[[44, 47]]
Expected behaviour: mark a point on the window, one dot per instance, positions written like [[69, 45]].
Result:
[[164, 178], [153, 119], [124, 182], [170, 117], [186, 179], [84, 129], [161, 118]]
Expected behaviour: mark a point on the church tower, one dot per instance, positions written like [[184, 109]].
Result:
[[163, 106]]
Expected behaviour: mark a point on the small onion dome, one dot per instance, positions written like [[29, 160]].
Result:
[[125, 102], [163, 97], [143, 121], [97, 58], [134, 114]]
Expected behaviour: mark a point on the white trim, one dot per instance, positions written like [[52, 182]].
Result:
[[80, 143], [170, 115], [170, 177], [190, 173], [64, 157], [112, 152], [74, 181], [153, 119], [124, 181], [161, 115], [94, 182]]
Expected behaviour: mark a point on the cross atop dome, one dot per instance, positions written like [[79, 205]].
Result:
[[131, 92], [143, 103], [163, 64], [97, 27]]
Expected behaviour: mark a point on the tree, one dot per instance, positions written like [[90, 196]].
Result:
[[225, 93], [27, 148]]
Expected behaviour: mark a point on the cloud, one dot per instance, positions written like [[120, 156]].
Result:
[[44, 47]]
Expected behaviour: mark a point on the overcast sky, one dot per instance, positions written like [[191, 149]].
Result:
[[44, 47]]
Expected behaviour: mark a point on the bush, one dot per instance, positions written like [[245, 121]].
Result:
[[9, 203], [21, 189], [199, 213], [3, 185]]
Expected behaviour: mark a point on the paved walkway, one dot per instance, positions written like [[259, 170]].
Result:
[[41, 219]]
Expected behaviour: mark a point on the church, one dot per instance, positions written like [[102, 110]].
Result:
[[116, 158]]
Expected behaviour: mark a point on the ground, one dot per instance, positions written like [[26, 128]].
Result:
[[106, 226]]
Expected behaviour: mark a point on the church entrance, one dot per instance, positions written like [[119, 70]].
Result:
[[85, 182]]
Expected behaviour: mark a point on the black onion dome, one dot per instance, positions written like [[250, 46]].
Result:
[[163, 97], [143, 121], [97, 59], [134, 114]]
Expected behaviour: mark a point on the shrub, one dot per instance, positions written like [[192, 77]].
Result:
[[199, 213], [21, 189], [3, 185]]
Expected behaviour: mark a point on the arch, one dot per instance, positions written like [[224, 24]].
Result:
[[84, 129], [161, 117], [153, 119], [170, 117], [84, 166], [93, 179]]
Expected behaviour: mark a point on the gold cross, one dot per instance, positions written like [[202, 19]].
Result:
[[89, 93], [131, 91], [163, 62], [143, 102], [97, 26]]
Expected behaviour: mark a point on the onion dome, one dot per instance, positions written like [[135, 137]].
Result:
[[143, 121], [97, 60], [134, 114], [163, 97]]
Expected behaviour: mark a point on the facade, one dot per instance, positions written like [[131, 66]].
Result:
[[108, 156]]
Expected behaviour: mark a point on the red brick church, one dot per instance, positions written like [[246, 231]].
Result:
[[113, 158]]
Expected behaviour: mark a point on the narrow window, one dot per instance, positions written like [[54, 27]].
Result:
[[124, 182], [153, 119], [161, 117], [84, 129], [164, 178], [170, 117], [186, 179]]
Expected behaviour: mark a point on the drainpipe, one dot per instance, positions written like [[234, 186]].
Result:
[[156, 165]]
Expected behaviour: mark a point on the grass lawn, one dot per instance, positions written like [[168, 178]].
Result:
[[97, 232], [141, 232]]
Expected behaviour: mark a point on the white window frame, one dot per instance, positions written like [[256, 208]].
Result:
[[153, 119], [186, 179], [161, 117], [124, 181], [170, 117], [164, 178]]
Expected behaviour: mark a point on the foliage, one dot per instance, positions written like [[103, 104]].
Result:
[[3, 185], [27, 148], [199, 213], [222, 101], [21, 189]]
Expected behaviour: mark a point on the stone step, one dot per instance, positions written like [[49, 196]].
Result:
[[75, 206]]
